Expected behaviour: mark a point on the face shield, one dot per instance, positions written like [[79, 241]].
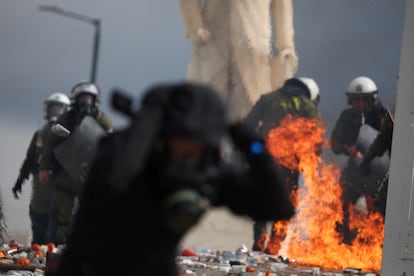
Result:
[[362, 103], [54, 110]]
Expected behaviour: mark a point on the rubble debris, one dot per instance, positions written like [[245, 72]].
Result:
[[244, 262], [16, 259]]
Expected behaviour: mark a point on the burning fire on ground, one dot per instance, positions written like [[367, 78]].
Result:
[[313, 239]]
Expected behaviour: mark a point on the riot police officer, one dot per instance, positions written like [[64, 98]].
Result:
[[55, 105], [381, 145], [293, 98], [85, 98], [364, 112]]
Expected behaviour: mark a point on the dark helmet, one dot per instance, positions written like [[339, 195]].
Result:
[[295, 87], [195, 111]]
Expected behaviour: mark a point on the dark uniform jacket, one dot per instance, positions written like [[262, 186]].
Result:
[[346, 130], [291, 99], [40, 199], [343, 139], [271, 108]]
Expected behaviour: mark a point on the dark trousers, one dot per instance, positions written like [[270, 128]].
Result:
[[40, 222], [291, 179], [259, 230]]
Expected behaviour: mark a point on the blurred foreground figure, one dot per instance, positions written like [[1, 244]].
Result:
[[66, 155], [55, 105], [232, 48], [353, 133], [151, 182], [294, 98]]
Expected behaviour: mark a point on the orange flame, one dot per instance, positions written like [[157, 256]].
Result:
[[313, 239]]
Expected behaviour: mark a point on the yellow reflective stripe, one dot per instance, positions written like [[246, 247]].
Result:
[[297, 103], [284, 105]]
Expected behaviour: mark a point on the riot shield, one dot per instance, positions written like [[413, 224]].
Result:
[[366, 137], [77, 151]]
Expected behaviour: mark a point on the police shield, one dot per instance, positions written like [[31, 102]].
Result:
[[366, 137], [77, 151]]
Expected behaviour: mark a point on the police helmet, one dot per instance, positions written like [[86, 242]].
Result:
[[85, 87], [313, 88], [195, 111], [362, 86], [56, 104]]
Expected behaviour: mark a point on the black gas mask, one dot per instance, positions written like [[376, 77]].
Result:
[[85, 103], [184, 183]]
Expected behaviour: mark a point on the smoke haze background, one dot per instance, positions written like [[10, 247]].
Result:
[[143, 43]]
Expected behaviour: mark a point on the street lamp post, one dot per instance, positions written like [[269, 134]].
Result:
[[95, 22]]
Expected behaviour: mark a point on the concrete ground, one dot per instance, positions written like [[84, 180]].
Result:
[[219, 229]]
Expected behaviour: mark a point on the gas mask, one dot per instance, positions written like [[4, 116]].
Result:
[[85, 103], [186, 191]]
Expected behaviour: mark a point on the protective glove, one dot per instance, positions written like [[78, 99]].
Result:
[[43, 176], [17, 188], [365, 167]]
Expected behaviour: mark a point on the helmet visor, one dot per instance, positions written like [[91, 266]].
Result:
[[85, 99], [55, 109], [362, 103]]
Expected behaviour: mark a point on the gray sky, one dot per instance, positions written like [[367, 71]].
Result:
[[143, 42]]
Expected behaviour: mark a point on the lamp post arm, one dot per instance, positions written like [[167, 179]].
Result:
[[95, 22], [70, 14]]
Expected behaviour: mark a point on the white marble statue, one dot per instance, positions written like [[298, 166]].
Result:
[[232, 47]]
